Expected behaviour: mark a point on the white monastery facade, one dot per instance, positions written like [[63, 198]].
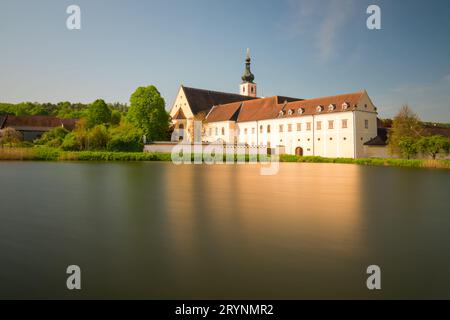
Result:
[[334, 126]]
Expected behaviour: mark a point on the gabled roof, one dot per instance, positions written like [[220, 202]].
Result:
[[225, 112], [201, 100], [179, 115], [271, 107]]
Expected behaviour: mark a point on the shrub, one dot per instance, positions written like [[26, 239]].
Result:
[[9, 136], [71, 143], [98, 138], [53, 138], [126, 138]]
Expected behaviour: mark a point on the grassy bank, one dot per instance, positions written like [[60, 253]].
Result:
[[50, 154]]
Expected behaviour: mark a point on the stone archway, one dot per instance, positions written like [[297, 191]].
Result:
[[299, 151]]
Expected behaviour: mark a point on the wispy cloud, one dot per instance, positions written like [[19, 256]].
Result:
[[338, 13], [323, 20]]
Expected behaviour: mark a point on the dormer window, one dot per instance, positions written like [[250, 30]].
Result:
[[281, 113], [290, 112], [319, 108], [331, 107], [345, 105], [301, 111]]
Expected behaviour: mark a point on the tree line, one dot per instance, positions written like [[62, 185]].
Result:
[[101, 126], [408, 137]]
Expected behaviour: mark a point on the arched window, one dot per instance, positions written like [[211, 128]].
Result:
[[268, 128], [223, 131], [260, 129]]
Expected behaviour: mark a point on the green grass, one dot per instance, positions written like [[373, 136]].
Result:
[[41, 153]]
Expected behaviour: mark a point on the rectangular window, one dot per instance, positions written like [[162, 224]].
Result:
[[210, 131], [330, 124], [366, 124], [289, 127], [217, 131], [223, 131], [281, 128], [319, 125], [344, 124], [253, 130], [245, 131], [308, 126], [299, 127]]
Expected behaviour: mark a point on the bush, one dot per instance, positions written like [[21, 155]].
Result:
[[53, 138], [98, 138], [125, 138], [71, 143], [9, 136]]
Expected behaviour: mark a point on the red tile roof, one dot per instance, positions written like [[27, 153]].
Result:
[[37, 123], [270, 108]]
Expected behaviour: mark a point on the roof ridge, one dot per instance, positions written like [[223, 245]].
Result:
[[327, 97], [222, 92]]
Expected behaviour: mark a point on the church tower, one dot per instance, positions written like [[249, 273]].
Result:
[[248, 87]]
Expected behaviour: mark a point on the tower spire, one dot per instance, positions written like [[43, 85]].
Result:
[[248, 75], [248, 87]]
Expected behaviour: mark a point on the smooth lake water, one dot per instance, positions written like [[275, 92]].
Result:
[[156, 230]]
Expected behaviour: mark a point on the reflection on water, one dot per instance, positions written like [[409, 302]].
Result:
[[155, 230]]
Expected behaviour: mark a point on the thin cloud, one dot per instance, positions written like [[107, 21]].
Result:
[[323, 20], [338, 13]]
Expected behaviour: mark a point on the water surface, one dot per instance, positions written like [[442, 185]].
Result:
[[156, 230]]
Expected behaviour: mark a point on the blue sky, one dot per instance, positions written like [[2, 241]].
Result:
[[303, 49]]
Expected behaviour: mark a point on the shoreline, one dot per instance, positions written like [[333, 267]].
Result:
[[52, 154]]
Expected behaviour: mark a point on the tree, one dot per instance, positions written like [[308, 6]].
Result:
[[433, 145], [405, 124], [9, 136], [99, 113], [408, 147], [147, 112]]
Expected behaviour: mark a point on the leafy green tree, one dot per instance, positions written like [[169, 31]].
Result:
[[116, 116], [433, 145], [9, 136], [147, 112], [99, 113], [408, 147], [406, 124]]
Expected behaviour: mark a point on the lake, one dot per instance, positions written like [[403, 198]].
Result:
[[159, 231]]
